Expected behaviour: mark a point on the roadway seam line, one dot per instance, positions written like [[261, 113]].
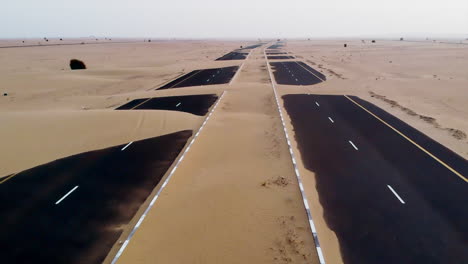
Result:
[[411, 141], [166, 82], [196, 72], [7, 178], [188, 77], [396, 194], [310, 71], [126, 146], [129, 237], [296, 169], [354, 146], [65, 196]]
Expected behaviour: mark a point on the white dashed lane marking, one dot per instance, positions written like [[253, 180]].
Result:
[[65, 196], [396, 194], [352, 144], [317, 104], [331, 120], [126, 146], [178, 104]]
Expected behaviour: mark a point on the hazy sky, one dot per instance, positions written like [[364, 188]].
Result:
[[232, 19]]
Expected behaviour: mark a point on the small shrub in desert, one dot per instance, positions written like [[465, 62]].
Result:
[[77, 65]]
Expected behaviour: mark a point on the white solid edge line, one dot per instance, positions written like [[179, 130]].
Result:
[[126, 146], [140, 220], [65, 196], [354, 146], [298, 176], [396, 194], [309, 70], [331, 120]]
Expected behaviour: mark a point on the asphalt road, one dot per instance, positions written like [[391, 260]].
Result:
[[275, 52], [296, 73], [72, 210], [194, 104], [387, 200], [280, 57], [233, 56], [203, 77], [251, 46], [275, 46]]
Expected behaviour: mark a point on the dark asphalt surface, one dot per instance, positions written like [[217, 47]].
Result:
[[251, 46], [194, 104], [275, 52], [233, 56], [82, 228], [275, 46], [371, 223], [280, 57], [296, 73], [203, 77]]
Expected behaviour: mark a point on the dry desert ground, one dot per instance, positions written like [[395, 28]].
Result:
[[234, 198]]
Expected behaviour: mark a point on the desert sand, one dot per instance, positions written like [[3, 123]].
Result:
[[234, 198]]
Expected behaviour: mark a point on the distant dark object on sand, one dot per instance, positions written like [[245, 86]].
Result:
[[5, 94], [373, 41], [77, 65], [241, 47], [61, 39], [345, 45], [401, 39]]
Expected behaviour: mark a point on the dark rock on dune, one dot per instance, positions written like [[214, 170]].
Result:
[[345, 45], [77, 65], [5, 94], [373, 41]]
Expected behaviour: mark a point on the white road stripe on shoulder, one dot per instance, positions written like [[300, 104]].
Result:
[[296, 170], [126, 146], [135, 228], [396, 194], [65, 196], [352, 144]]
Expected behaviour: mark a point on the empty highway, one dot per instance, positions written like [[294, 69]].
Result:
[[296, 73], [194, 104], [390, 193], [203, 77]]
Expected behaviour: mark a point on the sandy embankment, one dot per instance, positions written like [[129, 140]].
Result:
[[52, 112]]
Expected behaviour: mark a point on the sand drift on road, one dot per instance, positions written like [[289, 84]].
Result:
[[74, 209], [203, 77], [194, 104]]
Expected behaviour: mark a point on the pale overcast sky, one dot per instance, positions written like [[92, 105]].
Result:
[[233, 19]]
